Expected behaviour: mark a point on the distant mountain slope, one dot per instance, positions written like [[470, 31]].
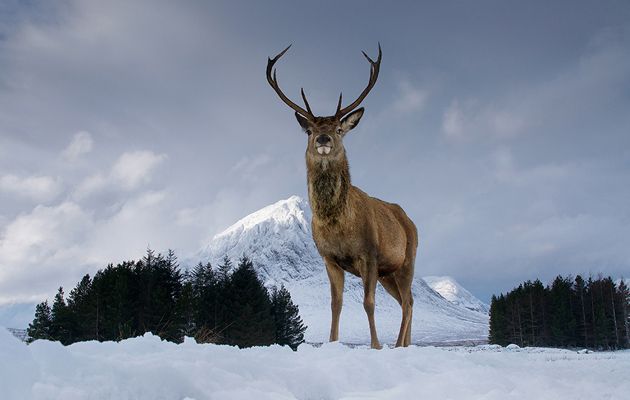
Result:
[[278, 240], [452, 291]]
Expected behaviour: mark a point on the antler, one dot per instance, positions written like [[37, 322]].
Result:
[[273, 81], [375, 66]]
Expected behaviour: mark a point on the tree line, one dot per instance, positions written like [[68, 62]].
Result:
[[592, 313], [226, 305]]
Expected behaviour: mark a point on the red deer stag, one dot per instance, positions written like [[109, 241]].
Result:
[[353, 232]]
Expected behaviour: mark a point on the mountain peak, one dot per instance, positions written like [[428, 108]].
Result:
[[281, 213], [277, 238], [452, 291]]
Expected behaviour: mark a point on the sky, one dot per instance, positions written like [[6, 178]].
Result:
[[501, 127]]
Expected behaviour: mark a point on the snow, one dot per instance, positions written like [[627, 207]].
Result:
[[278, 239], [148, 368], [452, 291]]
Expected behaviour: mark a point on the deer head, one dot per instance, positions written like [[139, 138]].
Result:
[[325, 134]]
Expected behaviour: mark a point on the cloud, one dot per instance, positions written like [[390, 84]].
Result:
[[557, 104], [129, 171], [81, 144], [36, 187], [468, 120], [134, 168], [506, 170], [54, 245], [409, 98], [249, 167], [520, 129], [453, 121], [39, 248]]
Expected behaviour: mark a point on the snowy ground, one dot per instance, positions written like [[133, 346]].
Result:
[[147, 368]]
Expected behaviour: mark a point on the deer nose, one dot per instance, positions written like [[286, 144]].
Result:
[[323, 140]]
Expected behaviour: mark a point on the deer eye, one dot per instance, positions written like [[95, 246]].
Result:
[[308, 132], [339, 131]]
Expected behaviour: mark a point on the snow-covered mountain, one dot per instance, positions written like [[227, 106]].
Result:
[[452, 291], [278, 240]]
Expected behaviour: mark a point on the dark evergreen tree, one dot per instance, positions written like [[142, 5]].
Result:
[[498, 323], [614, 339], [249, 321], [160, 280], [40, 327], [187, 309], [582, 326], [225, 268], [205, 291], [62, 323], [624, 299], [82, 305], [289, 326], [600, 321], [562, 320]]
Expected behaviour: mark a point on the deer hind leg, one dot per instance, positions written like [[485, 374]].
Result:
[[403, 280], [407, 341], [390, 285], [369, 274], [336, 277]]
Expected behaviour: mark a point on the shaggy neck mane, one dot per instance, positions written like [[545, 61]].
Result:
[[328, 185]]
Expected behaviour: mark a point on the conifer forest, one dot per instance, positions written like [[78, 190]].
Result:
[[591, 313], [224, 305]]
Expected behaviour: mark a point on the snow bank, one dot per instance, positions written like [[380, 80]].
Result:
[[147, 368]]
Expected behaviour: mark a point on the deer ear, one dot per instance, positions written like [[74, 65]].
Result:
[[352, 120], [303, 122]]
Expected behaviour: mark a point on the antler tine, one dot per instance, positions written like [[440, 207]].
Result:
[[339, 103], [273, 82], [308, 108], [374, 69]]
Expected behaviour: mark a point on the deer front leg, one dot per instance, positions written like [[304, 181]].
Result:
[[336, 277], [369, 274]]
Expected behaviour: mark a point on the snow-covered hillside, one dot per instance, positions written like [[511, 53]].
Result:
[[145, 368], [452, 291], [278, 239]]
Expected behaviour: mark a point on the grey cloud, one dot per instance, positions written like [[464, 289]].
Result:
[[527, 184]]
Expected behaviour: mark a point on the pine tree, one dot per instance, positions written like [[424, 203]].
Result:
[[579, 288], [249, 321], [61, 327], [162, 282], [225, 269], [82, 304], [624, 299], [498, 323], [205, 293], [614, 336], [186, 310], [40, 327], [221, 300], [562, 322], [289, 326]]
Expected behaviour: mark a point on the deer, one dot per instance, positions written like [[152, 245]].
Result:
[[353, 232]]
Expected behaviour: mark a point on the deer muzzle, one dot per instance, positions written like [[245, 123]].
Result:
[[323, 144], [323, 149]]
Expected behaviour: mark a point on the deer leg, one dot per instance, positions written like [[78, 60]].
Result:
[[336, 278], [369, 274], [408, 334], [390, 286], [404, 287], [389, 283]]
